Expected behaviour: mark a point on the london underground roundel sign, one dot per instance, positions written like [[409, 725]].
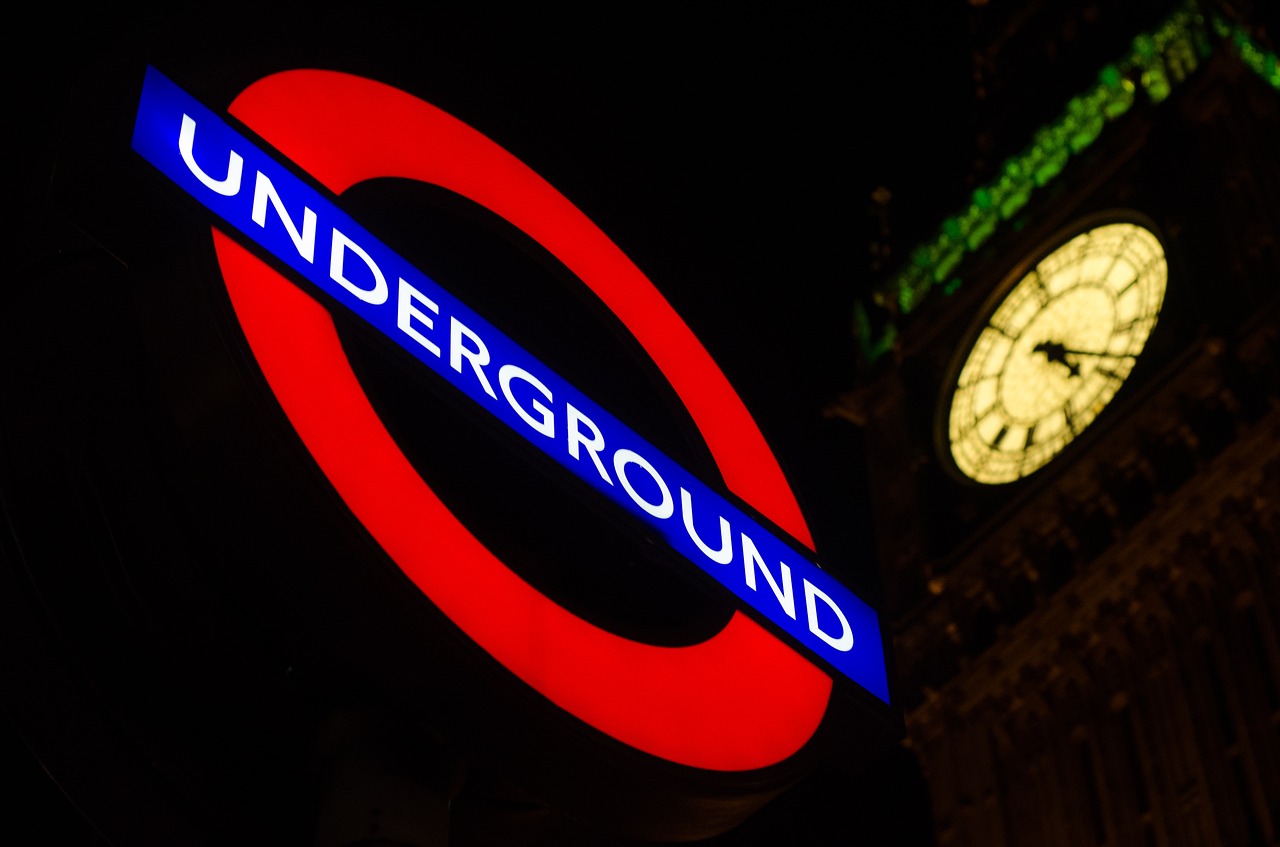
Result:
[[742, 699]]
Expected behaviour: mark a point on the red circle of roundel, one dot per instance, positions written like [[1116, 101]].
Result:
[[739, 700]]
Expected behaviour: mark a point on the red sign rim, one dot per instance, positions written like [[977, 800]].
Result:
[[738, 701]]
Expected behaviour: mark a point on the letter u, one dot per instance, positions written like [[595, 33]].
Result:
[[228, 187], [724, 555]]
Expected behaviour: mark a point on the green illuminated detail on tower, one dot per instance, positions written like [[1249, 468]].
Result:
[[1156, 62], [1256, 58]]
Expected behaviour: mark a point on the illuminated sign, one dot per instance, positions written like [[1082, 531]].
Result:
[[741, 699]]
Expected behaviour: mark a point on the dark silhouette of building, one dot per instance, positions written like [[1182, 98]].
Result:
[[1089, 653]]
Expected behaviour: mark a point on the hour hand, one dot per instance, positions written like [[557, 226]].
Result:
[[1056, 352]]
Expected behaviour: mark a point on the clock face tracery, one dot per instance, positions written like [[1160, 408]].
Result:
[[1046, 360]]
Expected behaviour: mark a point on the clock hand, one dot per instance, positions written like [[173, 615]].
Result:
[[1100, 355], [1055, 352]]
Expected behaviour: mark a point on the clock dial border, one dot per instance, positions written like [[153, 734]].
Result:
[[993, 336]]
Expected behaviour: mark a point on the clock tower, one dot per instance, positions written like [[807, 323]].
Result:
[[1070, 397]]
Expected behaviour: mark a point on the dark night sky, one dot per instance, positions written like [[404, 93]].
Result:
[[730, 154]]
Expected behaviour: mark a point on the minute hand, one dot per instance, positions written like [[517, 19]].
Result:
[[1100, 355]]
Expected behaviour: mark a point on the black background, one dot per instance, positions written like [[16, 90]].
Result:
[[730, 153]]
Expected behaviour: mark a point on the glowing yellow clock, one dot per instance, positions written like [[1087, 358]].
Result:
[[1052, 350]]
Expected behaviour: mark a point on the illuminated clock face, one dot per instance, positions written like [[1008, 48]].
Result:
[[1055, 349]]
